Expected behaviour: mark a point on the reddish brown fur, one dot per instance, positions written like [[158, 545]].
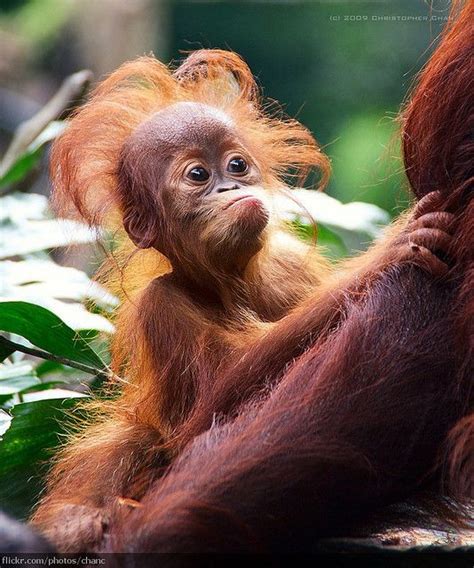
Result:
[[369, 373]]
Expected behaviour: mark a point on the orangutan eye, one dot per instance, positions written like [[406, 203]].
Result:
[[198, 174], [237, 166]]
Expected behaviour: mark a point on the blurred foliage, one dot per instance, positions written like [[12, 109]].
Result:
[[366, 158], [38, 20], [37, 297]]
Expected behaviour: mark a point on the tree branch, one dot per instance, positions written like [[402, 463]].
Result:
[[101, 373]]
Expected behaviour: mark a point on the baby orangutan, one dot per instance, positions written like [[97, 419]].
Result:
[[187, 164]]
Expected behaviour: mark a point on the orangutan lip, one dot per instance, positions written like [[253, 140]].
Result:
[[239, 199]]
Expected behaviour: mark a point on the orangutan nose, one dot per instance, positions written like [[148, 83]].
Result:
[[227, 188]]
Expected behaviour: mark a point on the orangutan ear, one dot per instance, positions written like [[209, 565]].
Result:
[[219, 72], [141, 228]]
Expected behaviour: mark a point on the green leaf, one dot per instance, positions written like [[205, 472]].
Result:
[[53, 373], [54, 129], [49, 367], [20, 206], [32, 156], [17, 378], [23, 237], [331, 243], [34, 433], [44, 386], [16, 370], [21, 168], [5, 421], [357, 217], [45, 330]]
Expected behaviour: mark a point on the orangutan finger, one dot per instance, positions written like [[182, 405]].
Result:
[[425, 259], [439, 220], [430, 203], [432, 239]]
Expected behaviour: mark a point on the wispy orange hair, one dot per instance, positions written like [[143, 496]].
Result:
[[84, 159]]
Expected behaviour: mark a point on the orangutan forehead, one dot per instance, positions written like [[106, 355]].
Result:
[[184, 125]]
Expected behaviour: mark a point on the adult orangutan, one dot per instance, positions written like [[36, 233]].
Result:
[[341, 388]]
